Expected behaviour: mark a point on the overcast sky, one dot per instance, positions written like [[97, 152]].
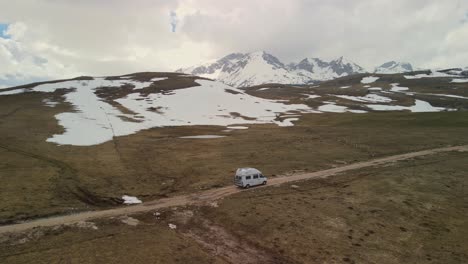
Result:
[[48, 39]]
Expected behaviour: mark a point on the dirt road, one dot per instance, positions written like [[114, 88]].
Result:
[[211, 195]]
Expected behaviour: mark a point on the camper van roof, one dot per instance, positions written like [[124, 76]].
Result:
[[247, 171]]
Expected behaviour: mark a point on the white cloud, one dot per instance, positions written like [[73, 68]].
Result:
[[453, 50], [21, 65], [16, 31], [23, 61], [367, 31], [55, 39]]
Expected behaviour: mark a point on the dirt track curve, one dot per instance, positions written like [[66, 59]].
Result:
[[211, 195]]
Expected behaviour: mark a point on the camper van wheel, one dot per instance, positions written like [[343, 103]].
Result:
[[264, 183], [247, 186]]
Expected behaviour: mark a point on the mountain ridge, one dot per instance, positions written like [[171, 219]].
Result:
[[394, 67], [259, 67]]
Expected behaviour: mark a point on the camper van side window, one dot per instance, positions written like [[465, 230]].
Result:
[[247, 177], [261, 176], [256, 176]]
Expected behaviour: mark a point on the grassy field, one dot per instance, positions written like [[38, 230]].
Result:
[[412, 211], [41, 178], [409, 212]]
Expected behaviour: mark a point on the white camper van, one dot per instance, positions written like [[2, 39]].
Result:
[[248, 177]]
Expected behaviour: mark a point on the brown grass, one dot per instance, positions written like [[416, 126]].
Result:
[[411, 212], [41, 178]]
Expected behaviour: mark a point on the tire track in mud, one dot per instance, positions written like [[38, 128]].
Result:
[[212, 195]]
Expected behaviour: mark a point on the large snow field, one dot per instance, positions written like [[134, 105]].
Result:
[[95, 121]]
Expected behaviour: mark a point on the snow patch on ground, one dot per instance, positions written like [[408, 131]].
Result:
[[172, 226], [375, 89], [311, 96], [396, 88], [333, 108], [369, 98], [419, 106], [141, 85], [50, 103], [263, 89], [357, 111], [345, 87], [157, 79], [17, 91], [131, 200], [459, 80], [287, 122], [370, 79], [237, 127]]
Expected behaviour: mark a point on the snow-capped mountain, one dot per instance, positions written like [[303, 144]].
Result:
[[246, 69], [249, 69], [394, 67], [317, 69]]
